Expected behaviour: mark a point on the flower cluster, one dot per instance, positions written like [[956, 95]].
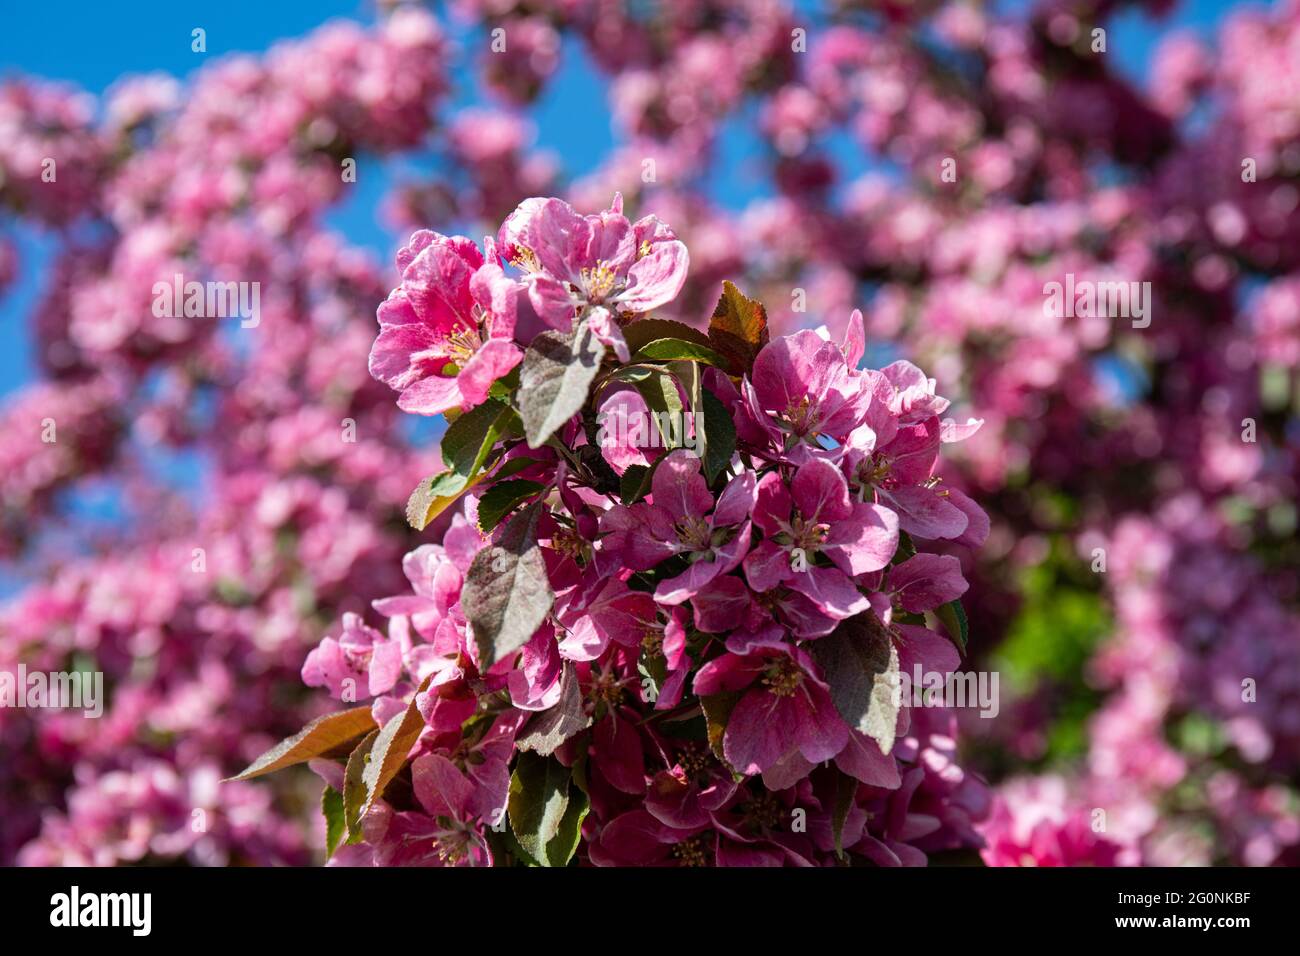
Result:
[[689, 635]]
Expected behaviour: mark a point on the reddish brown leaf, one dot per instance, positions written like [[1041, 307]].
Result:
[[319, 737], [738, 329], [391, 748]]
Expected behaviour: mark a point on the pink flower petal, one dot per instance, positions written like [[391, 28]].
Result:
[[864, 541], [430, 396], [679, 488], [494, 359]]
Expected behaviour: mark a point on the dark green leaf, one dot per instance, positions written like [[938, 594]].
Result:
[[512, 846], [470, 438], [860, 663], [502, 498], [953, 618], [331, 807], [539, 803], [554, 378], [551, 728], [504, 386], [665, 403], [672, 350], [466, 448], [354, 787], [565, 842], [846, 788], [721, 432], [691, 375], [635, 484], [507, 594], [643, 331]]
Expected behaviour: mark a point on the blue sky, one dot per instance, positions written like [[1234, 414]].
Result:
[[99, 43]]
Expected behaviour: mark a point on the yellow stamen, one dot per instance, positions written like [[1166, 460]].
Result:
[[783, 677], [598, 281], [693, 851], [525, 259]]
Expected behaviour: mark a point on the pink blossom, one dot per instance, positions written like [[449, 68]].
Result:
[[785, 707], [681, 518], [360, 651], [441, 343], [816, 517], [599, 266]]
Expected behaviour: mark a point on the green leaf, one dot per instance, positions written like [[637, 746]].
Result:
[[691, 375], [466, 447], [846, 788], [666, 409], [953, 618], [635, 483], [507, 594], [552, 727], [354, 787], [717, 711], [721, 432], [631, 374], [672, 350], [860, 663], [504, 387], [655, 670], [738, 329], [320, 737], [436, 494], [502, 498], [554, 378], [643, 331], [471, 437], [331, 807], [565, 842], [512, 846], [510, 467], [539, 805], [391, 748]]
